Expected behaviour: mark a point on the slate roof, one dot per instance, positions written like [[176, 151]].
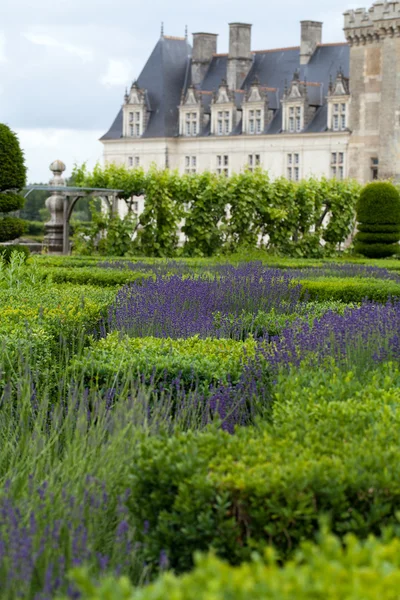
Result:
[[167, 74]]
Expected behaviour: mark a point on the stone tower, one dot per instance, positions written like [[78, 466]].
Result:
[[374, 39]]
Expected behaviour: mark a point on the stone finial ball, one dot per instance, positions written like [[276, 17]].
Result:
[[57, 166]]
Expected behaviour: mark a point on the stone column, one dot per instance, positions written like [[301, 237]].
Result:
[[53, 239]]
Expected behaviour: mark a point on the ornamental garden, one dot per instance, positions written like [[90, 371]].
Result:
[[210, 420]]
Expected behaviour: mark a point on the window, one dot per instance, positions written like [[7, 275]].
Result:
[[339, 117], [223, 122], [137, 161], [135, 124], [293, 167], [291, 119], [374, 168], [227, 122], [255, 122], [190, 164], [254, 161], [295, 122], [337, 165], [298, 118], [223, 164], [130, 161], [191, 124]]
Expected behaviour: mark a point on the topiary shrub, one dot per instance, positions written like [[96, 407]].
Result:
[[12, 179], [378, 216]]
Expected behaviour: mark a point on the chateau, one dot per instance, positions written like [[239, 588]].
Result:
[[315, 109]]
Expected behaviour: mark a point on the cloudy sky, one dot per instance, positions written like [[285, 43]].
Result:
[[64, 65]]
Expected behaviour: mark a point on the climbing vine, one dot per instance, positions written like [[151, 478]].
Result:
[[217, 214]]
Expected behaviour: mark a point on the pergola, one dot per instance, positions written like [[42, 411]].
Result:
[[71, 197], [61, 203]]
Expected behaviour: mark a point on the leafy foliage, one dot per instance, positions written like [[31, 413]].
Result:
[[12, 179], [219, 214], [378, 209], [328, 569]]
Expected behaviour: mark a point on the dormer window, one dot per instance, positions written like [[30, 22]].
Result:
[[224, 122], [297, 111], [223, 111], [191, 113], [136, 111], [255, 109], [191, 124], [338, 104]]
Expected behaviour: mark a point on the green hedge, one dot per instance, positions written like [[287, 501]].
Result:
[[93, 276], [376, 250], [350, 290], [195, 361], [11, 228], [378, 228], [6, 251], [10, 202], [271, 484], [379, 203], [35, 228], [379, 206], [38, 322], [325, 571], [377, 238]]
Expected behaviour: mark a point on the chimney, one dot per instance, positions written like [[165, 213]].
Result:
[[311, 36], [204, 46], [240, 57]]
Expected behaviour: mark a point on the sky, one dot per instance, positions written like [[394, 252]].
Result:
[[64, 65]]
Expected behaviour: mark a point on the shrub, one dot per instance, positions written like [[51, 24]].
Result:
[[93, 276], [194, 361], [348, 290], [6, 251], [35, 228], [379, 207], [12, 179], [270, 485], [367, 570]]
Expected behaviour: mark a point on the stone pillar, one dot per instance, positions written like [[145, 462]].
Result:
[[53, 239]]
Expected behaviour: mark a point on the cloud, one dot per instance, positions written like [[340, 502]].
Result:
[[42, 146], [118, 73], [85, 54], [3, 58]]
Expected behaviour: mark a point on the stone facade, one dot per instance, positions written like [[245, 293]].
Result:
[[315, 109]]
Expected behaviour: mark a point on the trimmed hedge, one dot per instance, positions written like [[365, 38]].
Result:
[[93, 276], [378, 205], [271, 484], [11, 228], [194, 361], [360, 570], [12, 178], [35, 228], [13, 169], [378, 228], [350, 290], [10, 202], [6, 251]]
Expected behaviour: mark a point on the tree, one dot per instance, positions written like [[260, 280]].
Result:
[[12, 180], [378, 216]]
